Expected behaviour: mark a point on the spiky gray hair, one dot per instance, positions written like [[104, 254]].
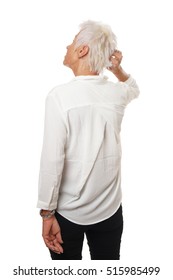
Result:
[[101, 41]]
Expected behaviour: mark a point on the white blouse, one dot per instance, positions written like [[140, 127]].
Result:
[[80, 168]]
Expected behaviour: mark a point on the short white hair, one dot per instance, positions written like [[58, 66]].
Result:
[[101, 41]]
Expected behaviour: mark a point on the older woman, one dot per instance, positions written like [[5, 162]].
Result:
[[80, 170]]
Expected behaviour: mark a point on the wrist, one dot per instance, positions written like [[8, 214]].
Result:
[[46, 214]]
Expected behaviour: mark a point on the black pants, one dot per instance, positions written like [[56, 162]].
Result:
[[103, 238]]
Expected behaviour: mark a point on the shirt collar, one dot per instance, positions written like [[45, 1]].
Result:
[[90, 77]]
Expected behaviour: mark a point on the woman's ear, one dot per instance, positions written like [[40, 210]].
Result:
[[82, 51]]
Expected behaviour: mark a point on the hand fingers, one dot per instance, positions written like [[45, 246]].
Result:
[[116, 57], [52, 235], [59, 237], [57, 246], [53, 245], [48, 240], [117, 52]]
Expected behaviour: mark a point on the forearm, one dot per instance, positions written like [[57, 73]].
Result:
[[120, 74]]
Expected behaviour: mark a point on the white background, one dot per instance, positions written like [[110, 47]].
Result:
[[34, 36]]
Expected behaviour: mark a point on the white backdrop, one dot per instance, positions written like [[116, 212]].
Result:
[[34, 36]]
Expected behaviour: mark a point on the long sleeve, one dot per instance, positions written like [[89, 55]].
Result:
[[131, 90], [52, 157]]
